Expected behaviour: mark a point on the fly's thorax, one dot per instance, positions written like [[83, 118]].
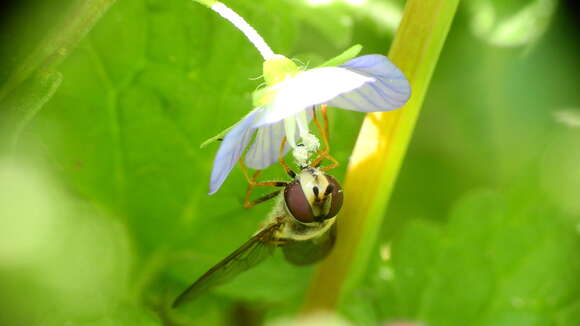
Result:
[[278, 209], [297, 231], [277, 214], [313, 196]]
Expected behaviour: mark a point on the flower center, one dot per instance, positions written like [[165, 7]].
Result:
[[278, 68], [296, 127]]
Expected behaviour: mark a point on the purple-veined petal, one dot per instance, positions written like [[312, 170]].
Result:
[[309, 88], [231, 149], [266, 147], [389, 90]]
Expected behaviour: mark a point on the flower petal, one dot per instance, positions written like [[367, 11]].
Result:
[[266, 148], [308, 88], [231, 149], [389, 90]]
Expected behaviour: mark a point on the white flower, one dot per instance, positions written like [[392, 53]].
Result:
[[369, 83]]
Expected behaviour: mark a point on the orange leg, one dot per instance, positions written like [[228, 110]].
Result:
[[252, 183], [282, 162], [248, 204], [324, 154], [331, 166], [323, 130]]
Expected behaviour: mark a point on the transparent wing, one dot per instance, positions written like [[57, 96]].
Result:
[[250, 254]]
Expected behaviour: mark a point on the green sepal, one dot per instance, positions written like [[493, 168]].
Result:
[[223, 133], [350, 53], [216, 137]]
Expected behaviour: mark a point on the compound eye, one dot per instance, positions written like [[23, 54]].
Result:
[[336, 198], [297, 202]]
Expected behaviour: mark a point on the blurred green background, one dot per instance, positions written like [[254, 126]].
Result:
[[104, 216]]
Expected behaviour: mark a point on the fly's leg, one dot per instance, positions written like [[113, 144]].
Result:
[[323, 130], [271, 237], [278, 243], [282, 162], [324, 154], [252, 183], [248, 204], [273, 240]]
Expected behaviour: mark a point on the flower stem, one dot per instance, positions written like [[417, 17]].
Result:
[[242, 25], [379, 152]]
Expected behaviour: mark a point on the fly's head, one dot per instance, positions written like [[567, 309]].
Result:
[[313, 196]]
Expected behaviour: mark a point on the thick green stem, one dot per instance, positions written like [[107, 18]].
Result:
[[379, 152]]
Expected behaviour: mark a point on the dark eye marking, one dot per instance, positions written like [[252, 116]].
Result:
[[315, 191], [329, 189]]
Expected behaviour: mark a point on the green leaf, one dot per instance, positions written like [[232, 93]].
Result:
[[24, 103], [498, 261]]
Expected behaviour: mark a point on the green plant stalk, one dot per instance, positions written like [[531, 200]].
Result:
[[57, 46], [379, 152]]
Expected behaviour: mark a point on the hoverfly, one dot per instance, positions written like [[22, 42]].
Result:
[[302, 222]]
